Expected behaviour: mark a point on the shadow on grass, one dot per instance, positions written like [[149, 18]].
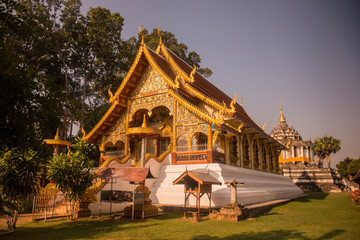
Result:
[[276, 234], [312, 196], [78, 229]]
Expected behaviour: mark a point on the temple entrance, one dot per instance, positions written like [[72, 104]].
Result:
[[146, 130]]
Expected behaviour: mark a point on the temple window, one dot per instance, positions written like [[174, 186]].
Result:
[[182, 143], [164, 144], [219, 145], [150, 146], [256, 154], [116, 149], [295, 151], [199, 142], [234, 147], [263, 151], [246, 150]]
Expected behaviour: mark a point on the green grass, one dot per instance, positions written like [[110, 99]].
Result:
[[317, 216]]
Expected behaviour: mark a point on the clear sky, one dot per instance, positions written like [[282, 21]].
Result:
[[303, 53]]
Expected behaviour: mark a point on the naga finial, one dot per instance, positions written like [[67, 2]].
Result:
[[192, 74], [177, 84], [264, 126], [110, 94], [242, 101], [240, 127], [158, 30], [288, 144], [232, 104], [142, 37]]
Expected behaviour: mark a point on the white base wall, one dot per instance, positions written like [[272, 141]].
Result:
[[259, 186]]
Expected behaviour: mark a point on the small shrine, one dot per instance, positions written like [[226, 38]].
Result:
[[57, 143], [196, 184]]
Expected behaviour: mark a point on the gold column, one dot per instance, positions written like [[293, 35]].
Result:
[[174, 127], [241, 150], [210, 146], [127, 140]]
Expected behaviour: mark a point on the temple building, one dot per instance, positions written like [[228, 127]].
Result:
[[168, 117], [297, 150]]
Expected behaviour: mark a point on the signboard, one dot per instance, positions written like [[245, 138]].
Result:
[[116, 196], [139, 198]]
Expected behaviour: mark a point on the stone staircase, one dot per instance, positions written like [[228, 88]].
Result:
[[310, 177]]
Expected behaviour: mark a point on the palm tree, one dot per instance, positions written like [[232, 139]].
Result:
[[324, 147]]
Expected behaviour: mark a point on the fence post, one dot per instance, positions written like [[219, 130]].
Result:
[[33, 208], [52, 207]]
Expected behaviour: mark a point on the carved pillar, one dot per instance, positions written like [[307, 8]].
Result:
[[127, 140], [251, 152], [209, 137], [227, 150], [239, 152], [174, 127]]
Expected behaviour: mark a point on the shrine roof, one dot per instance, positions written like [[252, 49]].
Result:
[[202, 178], [130, 174]]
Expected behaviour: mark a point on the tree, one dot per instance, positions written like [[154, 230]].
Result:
[[324, 147], [71, 172], [348, 167], [20, 175]]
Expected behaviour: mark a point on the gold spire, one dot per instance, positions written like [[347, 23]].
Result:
[[144, 124], [142, 37], [282, 118], [57, 135], [158, 30]]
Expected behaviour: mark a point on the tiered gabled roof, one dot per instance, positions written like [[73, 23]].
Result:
[[182, 80]]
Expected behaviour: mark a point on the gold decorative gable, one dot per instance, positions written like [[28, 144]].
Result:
[[151, 82], [184, 115]]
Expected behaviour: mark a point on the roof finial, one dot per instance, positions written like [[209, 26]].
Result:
[[264, 126], [232, 104], [242, 101], [142, 37], [192, 74], [282, 118], [158, 30]]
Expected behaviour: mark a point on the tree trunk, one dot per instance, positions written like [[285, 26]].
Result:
[[328, 160], [66, 114]]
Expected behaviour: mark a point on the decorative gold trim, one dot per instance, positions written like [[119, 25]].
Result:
[[191, 77], [143, 130], [153, 64], [264, 126], [132, 69], [195, 109], [100, 123], [194, 91]]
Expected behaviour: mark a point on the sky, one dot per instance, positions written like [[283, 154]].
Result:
[[305, 54]]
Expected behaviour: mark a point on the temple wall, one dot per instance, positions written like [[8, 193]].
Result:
[[259, 186]]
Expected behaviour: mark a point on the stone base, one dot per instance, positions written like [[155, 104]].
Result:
[[232, 212], [84, 211], [149, 210]]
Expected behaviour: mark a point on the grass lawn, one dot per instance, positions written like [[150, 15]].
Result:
[[317, 216]]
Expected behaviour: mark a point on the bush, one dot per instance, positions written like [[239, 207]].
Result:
[[355, 198]]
